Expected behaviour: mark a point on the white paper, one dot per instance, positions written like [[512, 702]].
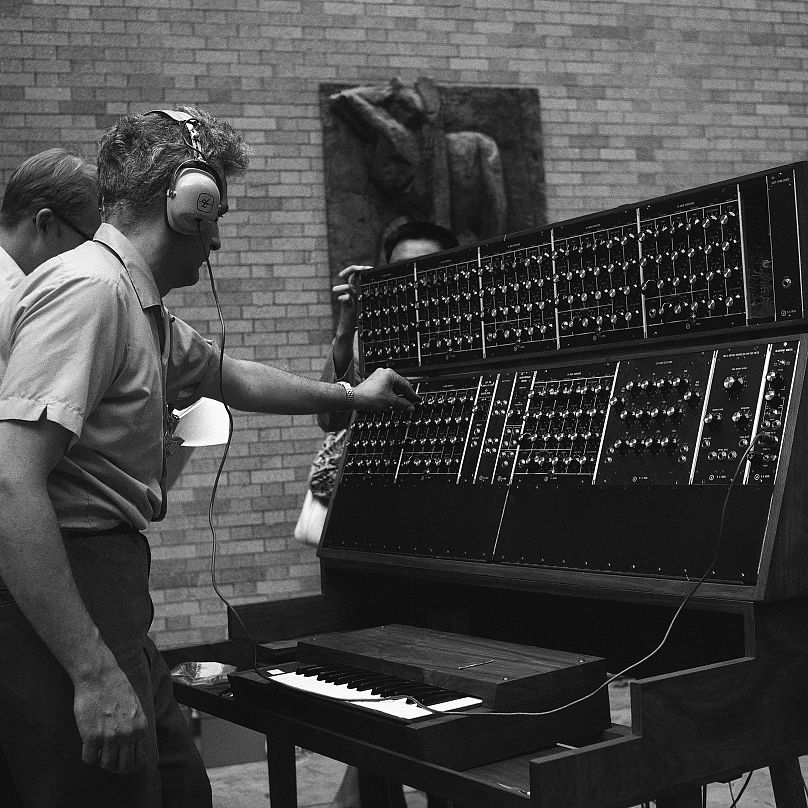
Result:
[[204, 423]]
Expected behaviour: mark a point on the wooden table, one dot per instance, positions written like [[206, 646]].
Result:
[[505, 784]]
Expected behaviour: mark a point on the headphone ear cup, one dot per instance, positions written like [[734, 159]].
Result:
[[193, 195]]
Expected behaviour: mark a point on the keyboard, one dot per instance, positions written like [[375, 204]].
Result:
[[487, 700], [367, 690]]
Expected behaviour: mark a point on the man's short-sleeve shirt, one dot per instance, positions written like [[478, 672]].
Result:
[[10, 274], [81, 344]]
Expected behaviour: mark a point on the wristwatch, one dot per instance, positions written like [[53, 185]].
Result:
[[349, 395]]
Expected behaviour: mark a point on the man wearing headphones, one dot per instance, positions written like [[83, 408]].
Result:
[[94, 365]]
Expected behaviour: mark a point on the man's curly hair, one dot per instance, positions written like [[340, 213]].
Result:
[[139, 154]]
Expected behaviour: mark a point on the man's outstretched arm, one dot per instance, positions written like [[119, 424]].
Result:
[[255, 387]]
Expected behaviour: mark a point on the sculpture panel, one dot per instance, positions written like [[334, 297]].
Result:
[[467, 158]]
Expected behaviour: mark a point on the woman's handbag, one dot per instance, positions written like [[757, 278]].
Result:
[[310, 523], [322, 477]]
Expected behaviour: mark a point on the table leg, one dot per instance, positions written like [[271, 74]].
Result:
[[379, 792], [689, 797], [282, 773], [787, 784]]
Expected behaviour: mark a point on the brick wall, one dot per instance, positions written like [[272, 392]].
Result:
[[637, 100]]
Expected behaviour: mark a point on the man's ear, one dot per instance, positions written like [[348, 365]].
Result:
[[44, 219]]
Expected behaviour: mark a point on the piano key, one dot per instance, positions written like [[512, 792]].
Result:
[[349, 678], [335, 674], [407, 689], [335, 670], [426, 694], [384, 684], [311, 670], [364, 681]]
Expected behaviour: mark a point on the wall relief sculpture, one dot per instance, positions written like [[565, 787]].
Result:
[[467, 158]]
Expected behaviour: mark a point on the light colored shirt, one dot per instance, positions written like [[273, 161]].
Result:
[[10, 273], [81, 343]]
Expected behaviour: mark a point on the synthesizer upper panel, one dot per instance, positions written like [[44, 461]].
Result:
[[724, 256]]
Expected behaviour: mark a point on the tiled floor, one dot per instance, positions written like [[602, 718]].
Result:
[[245, 785]]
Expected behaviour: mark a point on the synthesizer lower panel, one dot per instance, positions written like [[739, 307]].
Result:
[[619, 466], [637, 530]]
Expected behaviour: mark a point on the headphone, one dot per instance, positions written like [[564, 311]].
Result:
[[196, 189]]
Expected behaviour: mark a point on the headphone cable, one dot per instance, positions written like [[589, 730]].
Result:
[[223, 460]]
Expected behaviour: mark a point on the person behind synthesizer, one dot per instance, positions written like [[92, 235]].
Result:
[[94, 362], [50, 205], [410, 240]]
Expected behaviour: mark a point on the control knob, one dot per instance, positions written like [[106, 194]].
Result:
[[740, 418], [692, 397], [734, 384]]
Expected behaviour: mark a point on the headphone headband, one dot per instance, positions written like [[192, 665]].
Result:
[[198, 155], [196, 189]]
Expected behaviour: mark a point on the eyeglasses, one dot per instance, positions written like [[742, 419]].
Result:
[[70, 224]]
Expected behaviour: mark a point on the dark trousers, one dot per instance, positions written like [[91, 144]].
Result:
[[38, 731]]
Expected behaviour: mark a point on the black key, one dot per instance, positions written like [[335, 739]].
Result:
[[310, 670], [391, 688], [365, 681], [388, 684], [396, 689], [345, 678], [333, 673]]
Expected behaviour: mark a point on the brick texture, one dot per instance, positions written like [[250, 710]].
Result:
[[637, 100]]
